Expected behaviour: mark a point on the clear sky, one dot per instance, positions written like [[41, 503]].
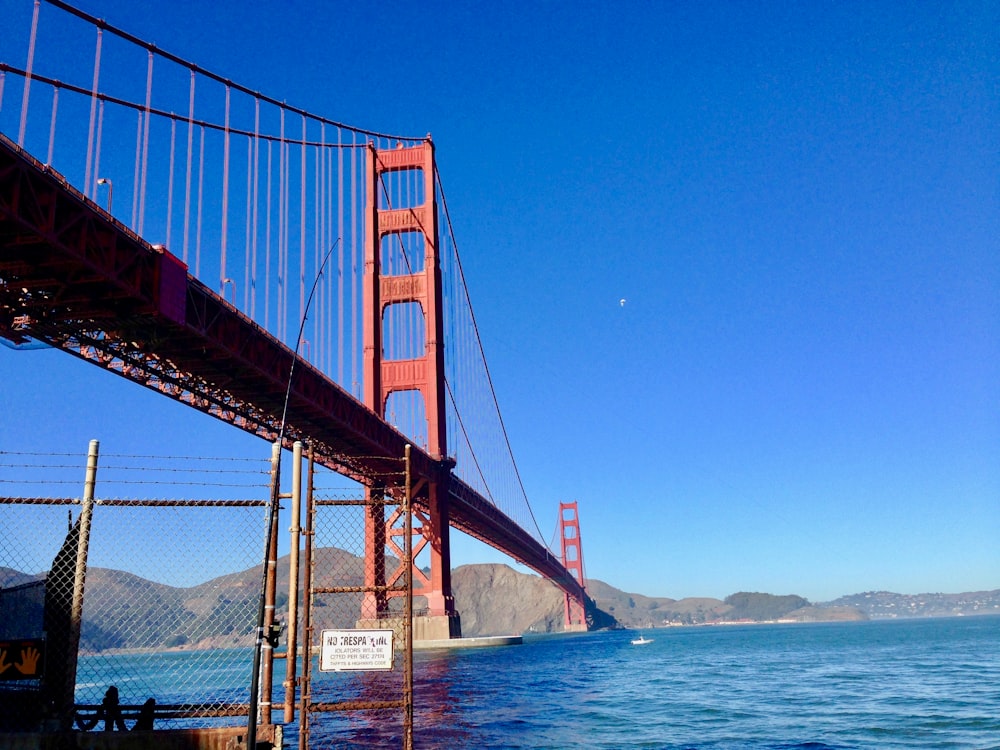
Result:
[[735, 267]]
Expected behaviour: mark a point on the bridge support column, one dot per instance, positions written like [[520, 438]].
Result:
[[406, 283], [438, 620], [572, 560], [374, 603], [441, 620]]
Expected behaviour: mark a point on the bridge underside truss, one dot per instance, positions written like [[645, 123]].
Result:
[[74, 277]]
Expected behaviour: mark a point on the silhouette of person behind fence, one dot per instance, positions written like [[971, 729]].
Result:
[[145, 720], [111, 712]]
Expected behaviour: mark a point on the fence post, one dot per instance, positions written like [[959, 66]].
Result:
[[291, 651], [408, 614], [79, 580], [260, 700], [271, 568], [305, 696]]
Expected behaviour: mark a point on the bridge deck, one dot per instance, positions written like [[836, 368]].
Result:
[[76, 278]]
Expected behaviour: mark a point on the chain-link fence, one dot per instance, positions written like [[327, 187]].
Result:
[[141, 613], [358, 617], [128, 611]]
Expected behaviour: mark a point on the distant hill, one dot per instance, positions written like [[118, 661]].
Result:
[[495, 599], [125, 611], [10, 577], [885, 604], [637, 611]]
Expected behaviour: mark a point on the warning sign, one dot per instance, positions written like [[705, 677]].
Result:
[[21, 660], [355, 650]]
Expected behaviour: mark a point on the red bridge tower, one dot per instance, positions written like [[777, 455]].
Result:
[[572, 560], [423, 373]]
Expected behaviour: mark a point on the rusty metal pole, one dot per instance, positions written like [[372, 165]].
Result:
[[270, 589], [291, 651], [79, 580], [263, 624], [304, 696], [408, 614], [255, 674]]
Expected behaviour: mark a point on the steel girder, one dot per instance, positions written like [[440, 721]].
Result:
[[74, 277]]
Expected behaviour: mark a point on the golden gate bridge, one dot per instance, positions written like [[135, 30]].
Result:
[[167, 224]]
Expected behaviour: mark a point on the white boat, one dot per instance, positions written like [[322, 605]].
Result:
[[641, 641]]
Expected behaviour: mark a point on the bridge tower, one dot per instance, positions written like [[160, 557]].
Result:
[[423, 373], [572, 560]]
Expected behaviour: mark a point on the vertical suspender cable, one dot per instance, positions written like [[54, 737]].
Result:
[[355, 301], [187, 177], [341, 334], [332, 326], [52, 124], [27, 75], [145, 141], [286, 247], [256, 184], [302, 219], [170, 180], [90, 188], [280, 322], [225, 195], [332, 283], [248, 228], [136, 170], [329, 282], [201, 196], [97, 150], [267, 244], [319, 240]]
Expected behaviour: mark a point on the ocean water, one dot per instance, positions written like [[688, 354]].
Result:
[[931, 683], [900, 684]]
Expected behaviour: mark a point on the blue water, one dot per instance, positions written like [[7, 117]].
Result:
[[899, 684], [902, 684]]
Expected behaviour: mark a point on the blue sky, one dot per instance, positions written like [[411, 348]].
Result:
[[800, 206]]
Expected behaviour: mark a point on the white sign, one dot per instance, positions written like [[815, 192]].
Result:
[[355, 650]]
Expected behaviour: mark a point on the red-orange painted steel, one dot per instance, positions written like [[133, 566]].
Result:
[[424, 373], [75, 278], [572, 560]]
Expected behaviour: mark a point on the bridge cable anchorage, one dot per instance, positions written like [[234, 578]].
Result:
[[465, 288], [272, 519]]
